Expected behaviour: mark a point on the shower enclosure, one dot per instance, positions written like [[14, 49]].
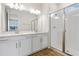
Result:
[[65, 29]]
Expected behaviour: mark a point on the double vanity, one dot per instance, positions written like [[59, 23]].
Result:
[[22, 44], [21, 32]]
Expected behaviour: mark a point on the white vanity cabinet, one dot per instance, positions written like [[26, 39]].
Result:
[[15, 46], [39, 42], [35, 43], [22, 45], [25, 46], [44, 41], [8, 47]]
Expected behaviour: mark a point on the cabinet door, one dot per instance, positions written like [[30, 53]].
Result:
[[25, 46], [44, 41], [35, 44], [9, 48]]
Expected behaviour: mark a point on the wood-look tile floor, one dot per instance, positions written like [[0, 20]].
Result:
[[47, 52]]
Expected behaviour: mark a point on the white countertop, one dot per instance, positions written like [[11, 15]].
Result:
[[20, 33]]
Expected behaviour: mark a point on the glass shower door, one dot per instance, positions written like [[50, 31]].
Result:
[[72, 29], [57, 29]]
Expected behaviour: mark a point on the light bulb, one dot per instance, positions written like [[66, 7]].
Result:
[[52, 15], [32, 11], [16, 6], [21, 7], [56, 17], [37, 12]]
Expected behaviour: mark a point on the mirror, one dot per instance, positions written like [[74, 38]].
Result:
[[20, 20]]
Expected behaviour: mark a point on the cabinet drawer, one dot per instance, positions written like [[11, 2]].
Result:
[[10, 38], [4, 38]]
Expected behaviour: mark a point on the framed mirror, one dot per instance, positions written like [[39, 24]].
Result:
[[20, 20]]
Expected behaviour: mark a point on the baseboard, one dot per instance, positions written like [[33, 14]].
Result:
[[68, 54], [37, 51], [59, 51]]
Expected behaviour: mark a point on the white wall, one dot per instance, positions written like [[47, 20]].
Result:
[[2, 18], [44, 19], [43, 23]]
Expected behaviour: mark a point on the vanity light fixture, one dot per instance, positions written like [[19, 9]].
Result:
[[33, 11], [20, 6], [37, 12], [16, 6]]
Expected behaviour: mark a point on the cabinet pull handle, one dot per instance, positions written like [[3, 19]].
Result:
[[20, 44], [40, 39], [16, 45]]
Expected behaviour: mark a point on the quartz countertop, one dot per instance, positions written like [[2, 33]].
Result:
[[19, 33]]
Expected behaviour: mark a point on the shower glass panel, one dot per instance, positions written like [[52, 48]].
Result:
[[72, 29], [57, 29]]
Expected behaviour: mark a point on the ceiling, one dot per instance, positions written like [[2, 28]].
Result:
[[44, 7]]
